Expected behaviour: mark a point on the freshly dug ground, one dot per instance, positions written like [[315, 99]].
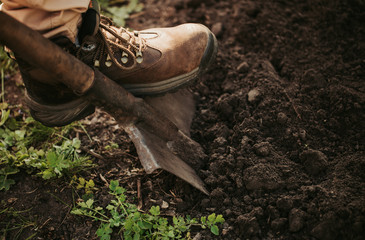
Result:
[[280, 116]]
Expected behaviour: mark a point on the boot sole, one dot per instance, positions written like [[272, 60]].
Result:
[[175, 83]]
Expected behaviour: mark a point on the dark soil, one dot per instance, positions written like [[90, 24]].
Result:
[[280, 116]]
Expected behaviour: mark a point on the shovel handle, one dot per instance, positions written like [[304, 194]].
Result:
[[39, 51]]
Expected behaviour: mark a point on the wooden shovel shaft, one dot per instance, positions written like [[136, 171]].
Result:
[[32, 47]]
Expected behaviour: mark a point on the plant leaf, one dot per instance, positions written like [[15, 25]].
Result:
[[219, 219], [211, 217], [89, 203], [214, 229]]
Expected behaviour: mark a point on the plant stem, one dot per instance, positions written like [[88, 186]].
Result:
[[104, 216], [2, 86]]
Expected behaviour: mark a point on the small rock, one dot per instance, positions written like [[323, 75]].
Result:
[[302, 134], [227, 201], [217, 29], [243, 67], [296, 220], [262, 149], [220, 141], [164, 205], [288, 132], [282, 118], [212, 209], [278, 224], [245, 141], [314, 161], [253, 95], [12, 200], [239, 182], [227, 212], [225, 231]]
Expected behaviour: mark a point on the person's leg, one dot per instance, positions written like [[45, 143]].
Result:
[[50, 102], [52, 18]]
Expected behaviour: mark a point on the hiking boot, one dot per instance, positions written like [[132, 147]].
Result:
[[149, 62], [152, 61]]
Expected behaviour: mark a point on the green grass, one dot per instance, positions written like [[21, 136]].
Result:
[[120, 10], [131, 223]]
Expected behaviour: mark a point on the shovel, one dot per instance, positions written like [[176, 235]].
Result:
[[158, 140]]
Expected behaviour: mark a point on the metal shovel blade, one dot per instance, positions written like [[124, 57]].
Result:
[[155, 153]]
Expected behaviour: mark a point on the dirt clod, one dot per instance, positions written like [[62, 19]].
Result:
[[314, 161], [262, 149], [278, 224], [261, 176], [296, 220]]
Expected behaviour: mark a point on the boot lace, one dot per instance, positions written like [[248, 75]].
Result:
[[129, 43]]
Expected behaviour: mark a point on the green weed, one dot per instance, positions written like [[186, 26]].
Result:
[[88, 186], [111, 146], [38, 149], [120, 10], [133, 224]]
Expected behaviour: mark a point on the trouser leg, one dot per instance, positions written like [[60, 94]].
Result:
[[52, 18]]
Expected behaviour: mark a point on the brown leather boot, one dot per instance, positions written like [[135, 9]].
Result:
[[151, 61]]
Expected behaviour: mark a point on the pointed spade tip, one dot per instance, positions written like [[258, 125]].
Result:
[[203, 190]]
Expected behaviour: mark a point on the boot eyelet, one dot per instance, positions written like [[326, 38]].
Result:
[[88, 47], [124, 58], [139, 57], [108, 63]]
